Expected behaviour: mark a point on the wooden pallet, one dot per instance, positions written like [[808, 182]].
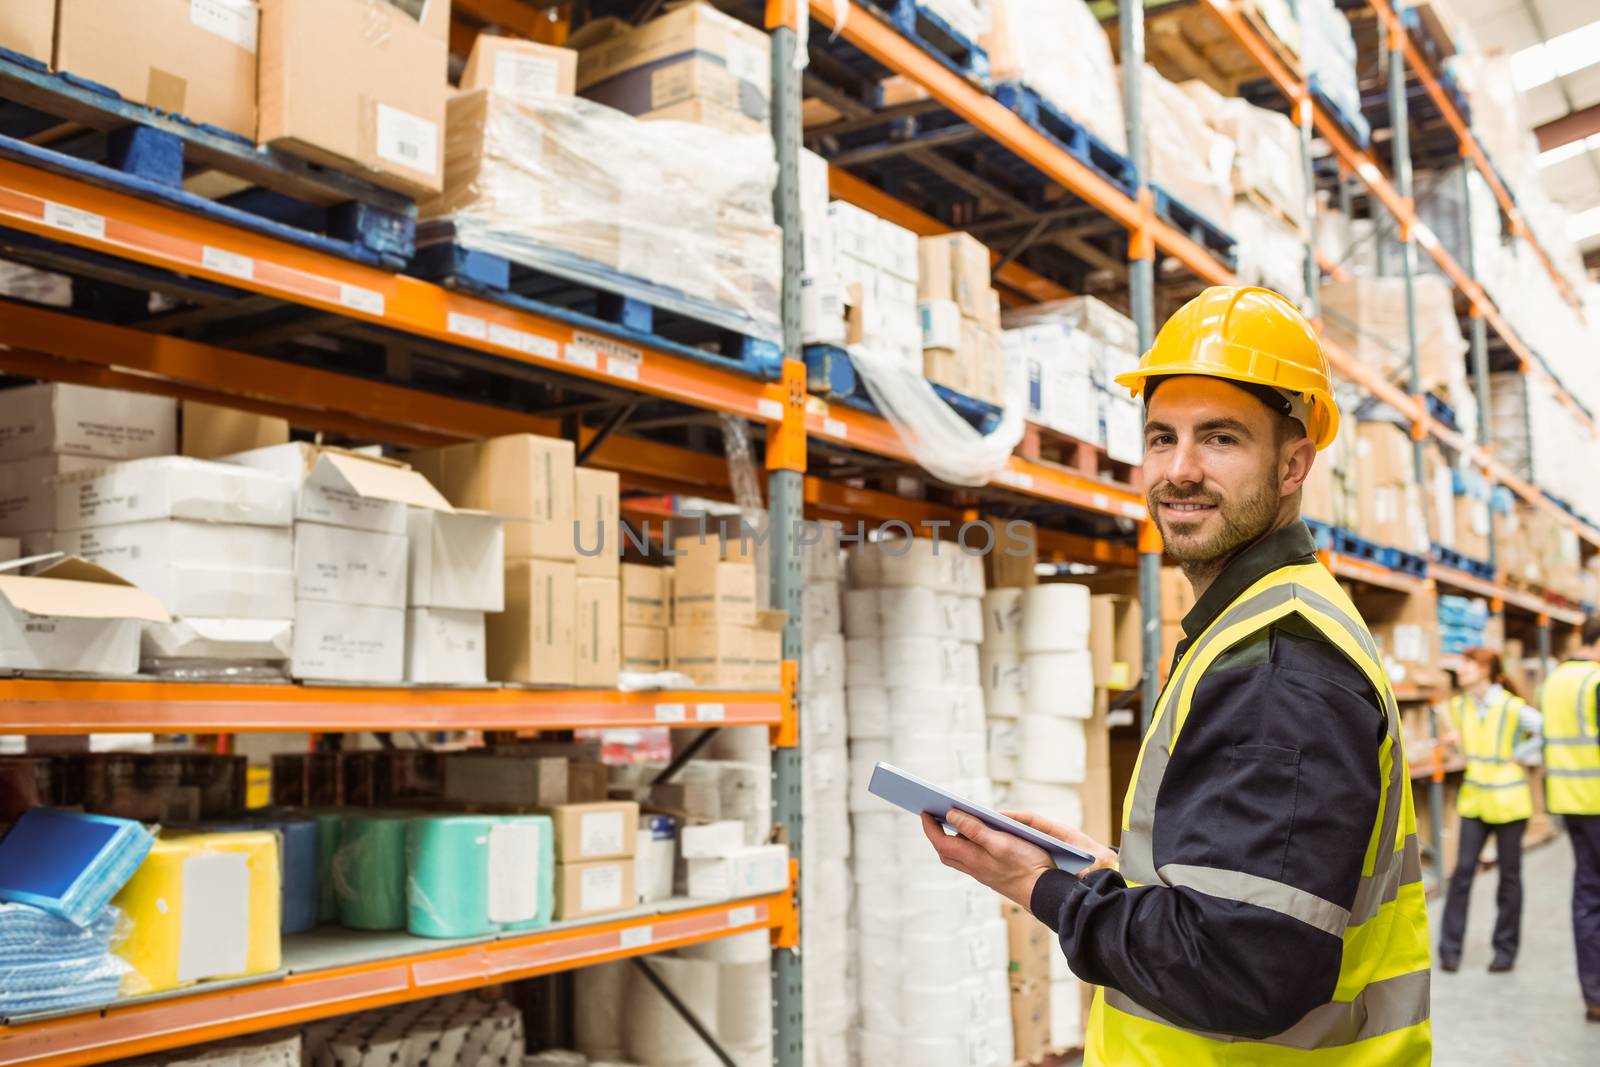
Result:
[[1042, 445], [1188, 40], [1262, 202]]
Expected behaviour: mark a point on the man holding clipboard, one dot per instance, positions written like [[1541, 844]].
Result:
[[1267, 903]]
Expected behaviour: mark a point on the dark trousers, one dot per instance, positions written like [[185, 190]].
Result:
[[1508, 898], [1585, 833]]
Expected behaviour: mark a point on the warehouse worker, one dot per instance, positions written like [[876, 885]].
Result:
[[1572, 790], [1488, 721], [1267, 904]]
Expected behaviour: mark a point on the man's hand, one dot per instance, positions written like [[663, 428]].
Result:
[[1103, 856], [1003, 862]]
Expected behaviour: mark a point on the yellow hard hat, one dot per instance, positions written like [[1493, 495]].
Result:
[[1245, 334]]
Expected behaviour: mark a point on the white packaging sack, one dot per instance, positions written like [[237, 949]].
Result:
[[655, 1033], [1055, 618], [860, 608], [819, 608], [964, 617], [927, 711], [600, 1005], [1059, 684], [823, 776], [872, 829], [969, 572], [752, 947], [1058, 803], [820, 557], [912, 612], [1002, 621], [863, 567], [868, 711], [863, 758], [934, 957], [1066, 1012], [941, 757], [917, 561], [864, 661], [1051, 749], [929, 1050], [824, 721], [822, 662], [744, 1003], [1003, 750], [741, 744], [711, 840], [744, 872], [1005, 684], [909, 662]]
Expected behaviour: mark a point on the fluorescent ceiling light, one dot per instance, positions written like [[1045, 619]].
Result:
[[1584, 224], [1571, 150], [1560, 55]]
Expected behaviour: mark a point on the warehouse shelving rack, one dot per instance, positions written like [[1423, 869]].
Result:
[[404, 397]]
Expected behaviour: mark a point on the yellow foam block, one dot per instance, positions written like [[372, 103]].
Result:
[[201, 906]]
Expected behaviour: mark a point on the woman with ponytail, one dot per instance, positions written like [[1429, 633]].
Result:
[[1492, 725]]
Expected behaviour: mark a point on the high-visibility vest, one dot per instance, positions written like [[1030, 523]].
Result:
[[1495, 786], [1571, 739], [1378, 1016]]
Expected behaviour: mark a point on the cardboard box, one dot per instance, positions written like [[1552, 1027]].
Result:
[[712, 840], [344, 566], [1115, 640], [719, 593], [596, 888], [644, 595], [204, 569], [532, 640], [595, 831], [456, 560], [599, 655], [28, 490], [716, 657], [1030, 1020], [444, 646], [598, 517], [950, 368], [54, 419], [338, 487], [28, 28], [644, 649], [1029, 943], [210, 431], [516, 67], [955, 266], [266, 640], [1014, 561], [195, 59], [522, 779], [744, 872], [73, 616], [348, 643], [766, 651], [172, 487], [358, 85], [708, 112], [528, 480]]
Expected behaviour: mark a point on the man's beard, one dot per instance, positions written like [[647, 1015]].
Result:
[[1243, 522]]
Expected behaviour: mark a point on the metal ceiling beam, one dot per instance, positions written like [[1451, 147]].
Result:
[[1573, 126]]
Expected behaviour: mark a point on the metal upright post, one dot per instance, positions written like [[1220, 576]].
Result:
[[1313, 272], [1546, 656], [786, 456], [1408, 267], [1480, 337], [1141, 299]]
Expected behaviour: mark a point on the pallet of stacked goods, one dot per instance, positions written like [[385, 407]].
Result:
[[1191, 166], [603, 205]]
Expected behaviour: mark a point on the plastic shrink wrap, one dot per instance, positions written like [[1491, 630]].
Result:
[[1058, 49], [1366, 317], [1188, 159], [48, 963], [675, 213]]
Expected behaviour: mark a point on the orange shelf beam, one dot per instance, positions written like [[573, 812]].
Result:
[[75, 706], [292, 1001], [1360, 570]]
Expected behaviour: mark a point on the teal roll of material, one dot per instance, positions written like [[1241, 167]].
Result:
[[330, 826], [522, 872], [447, 876], [369, 871]]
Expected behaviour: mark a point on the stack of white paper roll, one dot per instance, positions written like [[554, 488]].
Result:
[[931, 961]]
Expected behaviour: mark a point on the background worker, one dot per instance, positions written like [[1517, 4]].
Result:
[[1572, 790], [1488, 721], [1267, 904]]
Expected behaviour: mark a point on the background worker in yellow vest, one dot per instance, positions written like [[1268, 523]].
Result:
[[1572, 790], [1490, 723], [1267, 905]]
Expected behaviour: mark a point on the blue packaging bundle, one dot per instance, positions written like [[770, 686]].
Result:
[[68, 864], [469, 875], [1467, 612], [48, 963]]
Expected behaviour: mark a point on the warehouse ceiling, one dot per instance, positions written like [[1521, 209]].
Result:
[[1555, 45]]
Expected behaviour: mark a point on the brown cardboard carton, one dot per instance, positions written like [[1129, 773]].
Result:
[[516, 778], [599, 632], [532, 640], [955, 266], [644, 595], [708, 113], [358, 85], [1114, 640], [935, 276], [28, 27], [644, 649], [517, 67], [210, 431], [951, 368], [716, 593], [1177, 595], [597, 512], [716, 657], [195, 60], [766, 651], [598, 831], [530, 480], [1015, 558], [596, 888], [1030, 1019], [1029, 943]]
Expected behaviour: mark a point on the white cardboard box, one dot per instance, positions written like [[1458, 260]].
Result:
[[219, 639], [747, 872], [80, 420], [456, 560], [712, 840], [348, 643], [341, 488], [444, 646], [343, 565], [172, 487], [28, 490], [73, 616], [215, 570]]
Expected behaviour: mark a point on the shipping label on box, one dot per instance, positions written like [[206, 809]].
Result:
[[28, 490], [532, 640], [518, 68], [599, 631], [456, 560], [37, 420], [644, 649], [527, 479], [172, 487], [348, 643], [345, 566], [445, 646], [597, 523], [644, 595]]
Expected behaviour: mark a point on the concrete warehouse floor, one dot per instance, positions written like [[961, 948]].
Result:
[[1532, 1017]]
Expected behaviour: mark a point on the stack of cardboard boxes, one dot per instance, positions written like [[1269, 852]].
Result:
[[456, 577], [646, 617], [1389, 501], [1072, 352], [960, 317], [595, 845], [719, 636]]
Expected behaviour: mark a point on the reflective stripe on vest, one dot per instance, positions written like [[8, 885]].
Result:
[[1571, 739], [1379, 1012], [1495, 786]]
